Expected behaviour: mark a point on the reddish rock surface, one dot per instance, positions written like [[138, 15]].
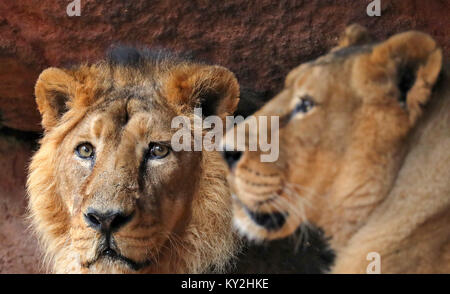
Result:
[[18, 252], [259, 40]]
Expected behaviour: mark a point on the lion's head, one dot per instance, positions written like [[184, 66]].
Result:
[[106, 191], [343, 122]]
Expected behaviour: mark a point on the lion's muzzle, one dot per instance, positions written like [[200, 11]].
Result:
[[106, 222]]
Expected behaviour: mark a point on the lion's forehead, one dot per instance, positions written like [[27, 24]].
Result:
[[326, 81], [331, 65], [131, 118]]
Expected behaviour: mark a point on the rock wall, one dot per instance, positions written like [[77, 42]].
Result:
[[260, 40], [18, 252]]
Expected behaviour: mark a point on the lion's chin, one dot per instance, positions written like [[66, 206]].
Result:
[[258, 233], [113, 262]]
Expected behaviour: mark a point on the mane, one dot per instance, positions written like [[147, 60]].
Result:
[[202, 247], [127, 56], [209, 249]]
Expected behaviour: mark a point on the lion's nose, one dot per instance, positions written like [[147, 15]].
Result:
[[106, 222], [231, 157]]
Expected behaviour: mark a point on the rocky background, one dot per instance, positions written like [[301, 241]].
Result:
[[260, 40]]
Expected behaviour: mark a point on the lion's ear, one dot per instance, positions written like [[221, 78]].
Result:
[[353, 35], [54, 88], [212, 88], [405, 67], [414, 61]]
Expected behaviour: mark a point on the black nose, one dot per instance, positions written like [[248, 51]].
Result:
[[231, 157], [107, 222], [270, 221]]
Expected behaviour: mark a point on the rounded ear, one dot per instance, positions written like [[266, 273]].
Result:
[[54, 88], [212, 88], [353, 35], [405, 66]]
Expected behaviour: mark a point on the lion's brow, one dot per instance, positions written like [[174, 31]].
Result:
[[97, 127]]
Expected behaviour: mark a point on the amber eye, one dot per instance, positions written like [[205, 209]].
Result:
[[85, 151], [158, 151]]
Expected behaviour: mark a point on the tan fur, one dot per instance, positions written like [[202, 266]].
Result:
[[371, 172], [182, 215], [353, 35]]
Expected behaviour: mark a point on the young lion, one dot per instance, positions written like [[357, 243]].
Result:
[[364, 153], [107, 194]]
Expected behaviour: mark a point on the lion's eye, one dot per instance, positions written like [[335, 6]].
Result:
[[158, 151], [85, 151], [305, 105]]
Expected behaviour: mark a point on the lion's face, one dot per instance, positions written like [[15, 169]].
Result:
[[343, 121], [107, 192], [130, 192]]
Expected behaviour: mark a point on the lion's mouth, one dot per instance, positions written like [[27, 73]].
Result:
[[112, 255], [270, 221]]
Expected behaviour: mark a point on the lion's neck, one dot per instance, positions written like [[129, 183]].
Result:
[[413, 185]]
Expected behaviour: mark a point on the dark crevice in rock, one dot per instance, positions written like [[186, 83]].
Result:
[[27, 137]]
